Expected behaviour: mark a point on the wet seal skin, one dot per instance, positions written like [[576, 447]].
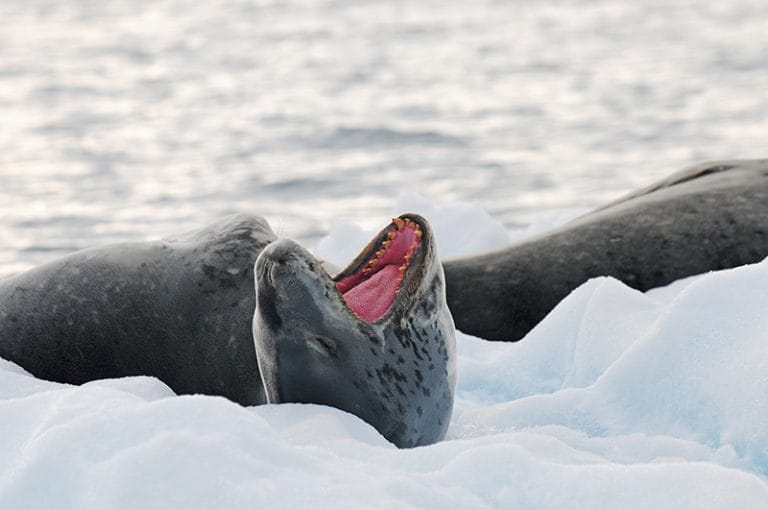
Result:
[[708, 217], [176, 309], [377, 340]]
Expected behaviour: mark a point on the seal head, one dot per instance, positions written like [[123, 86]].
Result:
[[377, 340]]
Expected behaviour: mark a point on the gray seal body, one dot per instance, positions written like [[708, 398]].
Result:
[[708, 217], [177, 309]]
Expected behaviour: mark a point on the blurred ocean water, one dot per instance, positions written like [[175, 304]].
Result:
[[127, 120]]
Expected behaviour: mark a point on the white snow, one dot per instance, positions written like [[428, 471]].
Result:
[[617, 399]]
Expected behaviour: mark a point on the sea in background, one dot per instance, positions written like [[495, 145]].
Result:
[[129, 120]]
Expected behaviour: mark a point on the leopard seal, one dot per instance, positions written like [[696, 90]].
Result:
[[376, 340], [708, 217], [182, 310]]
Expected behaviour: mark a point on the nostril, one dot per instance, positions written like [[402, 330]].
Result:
[[271, 274], [264, 271]]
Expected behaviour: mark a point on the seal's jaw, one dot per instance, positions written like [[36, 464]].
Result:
[[371, 282], [370, 287]]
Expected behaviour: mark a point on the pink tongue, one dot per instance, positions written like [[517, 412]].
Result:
[[372, 298]]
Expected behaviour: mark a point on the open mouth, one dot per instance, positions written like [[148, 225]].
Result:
[[370, 289]]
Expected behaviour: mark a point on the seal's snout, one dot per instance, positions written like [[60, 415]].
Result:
[[281, 255], [282, 251]]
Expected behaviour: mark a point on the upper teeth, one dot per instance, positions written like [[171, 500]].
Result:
[[399, 224]]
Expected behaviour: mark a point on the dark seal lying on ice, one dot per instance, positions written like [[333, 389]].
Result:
[[377, 341], [708, 217]]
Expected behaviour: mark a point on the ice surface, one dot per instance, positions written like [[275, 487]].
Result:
[[617, 399]]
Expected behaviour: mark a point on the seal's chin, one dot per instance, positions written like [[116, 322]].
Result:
[[370, 284]]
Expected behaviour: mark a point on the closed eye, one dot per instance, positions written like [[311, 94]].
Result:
[[323, 346]]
